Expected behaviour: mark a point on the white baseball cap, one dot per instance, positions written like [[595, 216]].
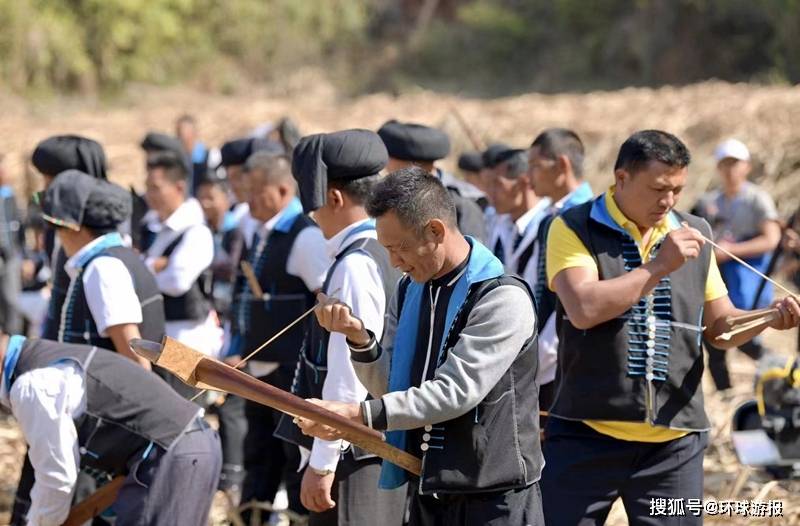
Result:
[[732, 148]]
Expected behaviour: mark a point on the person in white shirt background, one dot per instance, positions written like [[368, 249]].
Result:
[[336, 173], [519, 210], [286, 253], [555, 170], [180, 254]]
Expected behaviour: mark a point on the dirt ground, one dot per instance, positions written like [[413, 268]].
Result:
[[763, 117]]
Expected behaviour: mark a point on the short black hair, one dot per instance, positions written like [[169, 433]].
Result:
[[174, 166], [652, 145], [358, 190], [212, 179], [275, 168], [415, 196], [554, 142]]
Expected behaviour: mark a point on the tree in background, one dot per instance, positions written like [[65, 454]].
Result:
[[478, 46]]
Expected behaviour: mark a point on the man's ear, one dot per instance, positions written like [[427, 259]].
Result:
[[285, 189], [564, 164], [621, 178], [435, 231], [335, 198]]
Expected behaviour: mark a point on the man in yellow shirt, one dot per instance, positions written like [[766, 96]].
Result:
[[638, 288]]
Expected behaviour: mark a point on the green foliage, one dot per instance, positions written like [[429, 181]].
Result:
[[88, 44], [478, 46], [580, 44]]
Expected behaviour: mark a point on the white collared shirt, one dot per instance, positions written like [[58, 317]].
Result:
[[45, 403], [194, 253], [109, 289], [507, 230], [359, 284], [527, 226]]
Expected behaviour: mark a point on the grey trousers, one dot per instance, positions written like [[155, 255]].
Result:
[[173, 487], [10, 290], [358, 499]]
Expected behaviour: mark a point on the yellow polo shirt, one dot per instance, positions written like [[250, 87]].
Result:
[[565, 250]]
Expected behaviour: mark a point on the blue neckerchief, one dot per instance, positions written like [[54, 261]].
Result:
[[198, 153], [290, 213], [114, 239], [601, 214], [6, 191], [229, 221], [482, 265], [578, 196], [12, 357], [363, 227]]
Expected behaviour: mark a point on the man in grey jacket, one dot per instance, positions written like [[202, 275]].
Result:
[[454, 375]]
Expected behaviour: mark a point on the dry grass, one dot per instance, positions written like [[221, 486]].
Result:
[[763, 117]]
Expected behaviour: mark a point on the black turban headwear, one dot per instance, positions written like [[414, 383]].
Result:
[[508, 154], [490, 154], [70, 152], [470, 162], [155, 142], [414, 142], [236, 152], [343, 155], [161, 142], [76, 199]]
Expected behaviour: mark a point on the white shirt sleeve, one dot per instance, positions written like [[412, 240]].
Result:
[[361, 288], [44, 402], [548, 352], [110, 294], [308, 259], [193, 255]]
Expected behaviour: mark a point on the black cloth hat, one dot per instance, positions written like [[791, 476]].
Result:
[[491, 153], [161, 142], [76, 199], [414, 142], [70, 152], [236, 152], [470, 162], [343, 155], [505, 155]]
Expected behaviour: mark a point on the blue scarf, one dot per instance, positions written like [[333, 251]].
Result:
[[578, 196], [13, 350], [111, 240], [482, 265]]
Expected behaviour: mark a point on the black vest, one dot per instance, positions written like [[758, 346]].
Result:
[[544, 297], [495, 446], [312, 367], [286, 297], [524, 258], [646, 365], [58, 292], [194, 304], [78, 323], [127, 407]]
